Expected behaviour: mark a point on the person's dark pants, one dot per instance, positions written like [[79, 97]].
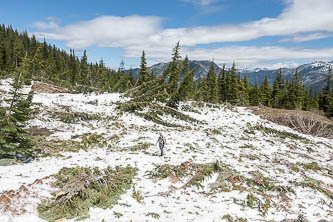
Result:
[[161, 148]]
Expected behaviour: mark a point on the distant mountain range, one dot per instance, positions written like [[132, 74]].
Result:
[[313, 75]]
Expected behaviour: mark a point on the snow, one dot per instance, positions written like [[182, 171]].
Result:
[[231, 147]]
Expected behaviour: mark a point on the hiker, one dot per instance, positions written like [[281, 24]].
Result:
[[161, 141]]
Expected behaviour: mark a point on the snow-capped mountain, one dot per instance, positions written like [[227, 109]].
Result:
[[313, 74]]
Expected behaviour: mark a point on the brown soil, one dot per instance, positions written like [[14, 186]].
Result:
[[15, 202], [283, 116], [40, 87], [36, 131]]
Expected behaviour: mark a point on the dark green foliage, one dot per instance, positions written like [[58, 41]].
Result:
[[14, 138], [83, 188], [326, 96], [197, 172], [187, 86], [41, 61], [296, 92], [175, 68], [255, 99], [202, 92], [265, 93], [243, 91], [212, 85], [281, 134], [277, 90], [143, 74], [221, 81]]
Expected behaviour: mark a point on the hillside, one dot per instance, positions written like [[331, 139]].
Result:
[[313, 75], [222, 164]]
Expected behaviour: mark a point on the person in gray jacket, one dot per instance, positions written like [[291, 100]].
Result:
[[161, 141]]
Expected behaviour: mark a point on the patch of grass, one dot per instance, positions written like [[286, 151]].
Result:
[[82, 188], [248, 146], [216, 131], [310, 166], [137, 195], [196, 173], [190, 146], [229, 218], [117, 215], [281, 134], [55, 148], [188, 108], [75, 117], [141, 146], [153, 215], [315, 184]]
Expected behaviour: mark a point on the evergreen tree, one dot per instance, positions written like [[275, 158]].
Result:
[[234, 86], [222, 85], [143, 74], [326, 96], [296, 92], [187, 86], [228, 86], [243, 91], [255, 99], [18, 51], [174, 69], [212, 84], [84, 69], [277, 90], [265, 93], [14, 139]]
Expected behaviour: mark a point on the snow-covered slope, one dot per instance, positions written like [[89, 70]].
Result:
[[256, 149]]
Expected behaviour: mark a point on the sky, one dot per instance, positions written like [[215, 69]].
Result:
[[251, 33]]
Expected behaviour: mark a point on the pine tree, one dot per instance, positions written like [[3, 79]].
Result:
[[84, 69], [228, 86], [174, 69], [212, 84], [243, 91], [265, 93], [277, 90], [143, 74], [255, 99], [234, 86], [187, 86], [222, 85], [18, 51], [14, 138], [296, 92], [326, 96]]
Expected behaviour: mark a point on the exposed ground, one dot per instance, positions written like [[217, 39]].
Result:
[[231, 165], [307, 122]]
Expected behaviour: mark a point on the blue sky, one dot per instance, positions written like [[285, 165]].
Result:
[[256, 33]]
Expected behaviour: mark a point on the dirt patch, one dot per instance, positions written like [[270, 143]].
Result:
[[302, 121], [36, 131], [40, 87], [19, 201]]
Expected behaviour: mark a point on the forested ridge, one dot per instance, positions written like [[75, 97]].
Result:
[[20, 53]]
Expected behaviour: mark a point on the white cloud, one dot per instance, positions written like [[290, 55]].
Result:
[[137, 33], [50, 25], [201, 2], [307, 37], [106, 31]]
